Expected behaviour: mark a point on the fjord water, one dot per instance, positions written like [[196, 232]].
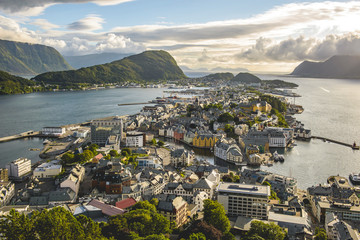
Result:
[[332, 109]]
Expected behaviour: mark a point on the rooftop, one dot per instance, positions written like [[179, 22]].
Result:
[[238, 188]]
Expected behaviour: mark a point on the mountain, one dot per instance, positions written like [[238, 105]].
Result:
[[220, 76], [30, 59], [10, 84], [245, 78], [93, 59], [149, 66], [335, 67]]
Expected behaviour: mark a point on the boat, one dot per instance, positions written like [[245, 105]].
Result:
[[355, 178], [278, 157], [46, 141]]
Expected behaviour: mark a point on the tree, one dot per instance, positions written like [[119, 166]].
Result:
[[154, 201], [153, 141], [269, 231], [67, 158], [320, 234], [214, 214], [88, 155], [93, 147], [228, 236], [203, 227], [197, 236], [17, 226], [145, 205], [126, 152], [156, 237], [160, 143], [113, 153], [225, 117]]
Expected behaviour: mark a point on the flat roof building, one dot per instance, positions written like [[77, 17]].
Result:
[[244, 199]]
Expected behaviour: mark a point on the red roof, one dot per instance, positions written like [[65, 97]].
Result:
[[106, 209], [99, 156], [126, 203]]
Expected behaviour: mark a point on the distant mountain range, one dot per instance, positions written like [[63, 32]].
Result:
[[334, 67], [94, 59], [201, 72], [149, 66], [30, 59]]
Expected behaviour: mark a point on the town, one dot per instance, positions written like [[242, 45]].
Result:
[[109, 168]]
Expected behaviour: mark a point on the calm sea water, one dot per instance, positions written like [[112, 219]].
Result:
[[332, 109]]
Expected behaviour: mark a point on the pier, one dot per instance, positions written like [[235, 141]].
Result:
[[337, 142], [141, 103], [30, 133]]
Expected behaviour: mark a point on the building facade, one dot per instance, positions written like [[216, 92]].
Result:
[[19, 167]]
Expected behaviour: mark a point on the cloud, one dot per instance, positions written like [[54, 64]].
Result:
[[75, 46], [301, 48], [35, 7], [44, 24], [90, 23], [116, 43], [11, 30]]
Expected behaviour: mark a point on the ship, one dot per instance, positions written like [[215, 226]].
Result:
[[354, 178], [278, 157]]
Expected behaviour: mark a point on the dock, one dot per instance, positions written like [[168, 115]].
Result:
[[30, 133], [128, 104], [337, 142]]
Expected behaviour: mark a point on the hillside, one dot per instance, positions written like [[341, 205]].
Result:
[[149, 66], [10, 84], [245, 78], [334, 67], [30, 59], [220, 76], [93, 59]]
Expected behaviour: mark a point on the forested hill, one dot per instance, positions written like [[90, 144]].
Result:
[[10, 84], [30, 59], [149, 66], [334, 67]]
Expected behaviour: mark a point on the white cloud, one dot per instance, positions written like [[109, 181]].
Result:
[[116, 43], [90, 23], [11, 30], [35, 7], [44, 24]]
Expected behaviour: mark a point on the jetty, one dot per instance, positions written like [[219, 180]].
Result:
[[353, 146], [141, 103], [26, 134]]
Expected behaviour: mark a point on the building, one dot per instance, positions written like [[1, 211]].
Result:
[[135, 139], [244, 199], [4, 177], [174, 210], [19, 167], [204, 140], [229, 152], [101, 129], [180, 157], [53, 131], [7, 192], [110, 182], [48, 169], [74, 179]]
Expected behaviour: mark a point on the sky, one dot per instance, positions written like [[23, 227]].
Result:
[[259, 35]]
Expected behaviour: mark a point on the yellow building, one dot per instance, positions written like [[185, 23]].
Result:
[[204, 141], [262, 106]]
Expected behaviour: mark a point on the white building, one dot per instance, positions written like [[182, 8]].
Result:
[[7, 191], [48, 169], [74, 179], [19, 167], [134, 139], [244, 199], [53, 131], [228, 152], [180, 157]]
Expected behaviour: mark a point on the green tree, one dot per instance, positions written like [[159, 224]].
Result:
[[113, 153], [228, 236], [67, 158], [80, 158], [93, 147], [225, 117], [269, 231], [156, 237], [108, 157], [16, 226], [153, 141], [160, 143], [144, 205], [88, 155], [126, 152], [154, 201], [197, 236], [320, 234], [215, 215]]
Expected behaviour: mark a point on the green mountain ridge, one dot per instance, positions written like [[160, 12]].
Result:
[[149, 66], [10, 84], [245, 78], [339, 66], [30, 59]]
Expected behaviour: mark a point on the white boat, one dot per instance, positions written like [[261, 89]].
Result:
[[278, 157]]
